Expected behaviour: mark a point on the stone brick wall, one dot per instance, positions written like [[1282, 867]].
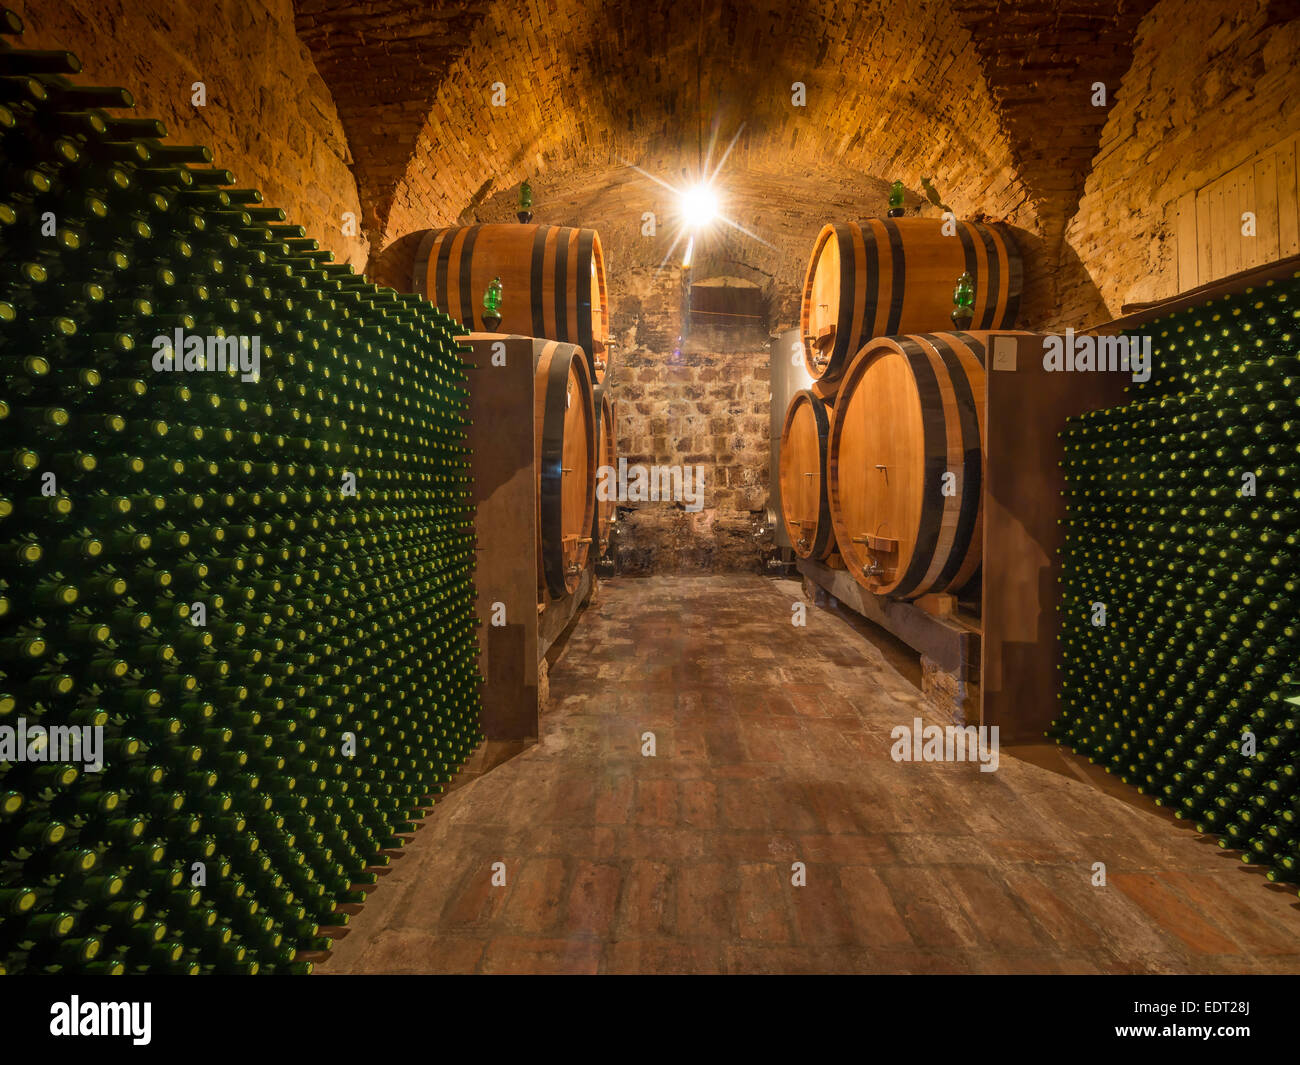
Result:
[[269, 117], [890, 91], [701, 404], [1212, 84]]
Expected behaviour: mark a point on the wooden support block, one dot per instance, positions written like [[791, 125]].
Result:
[[834, 561], [882, 545], [1025, 410], [952, 642], [937, 604], [560, 613], [501, 436]]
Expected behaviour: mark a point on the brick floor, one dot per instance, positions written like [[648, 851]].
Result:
[[773, 748]]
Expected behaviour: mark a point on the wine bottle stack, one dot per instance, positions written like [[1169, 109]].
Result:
[[247, 592], [1180, 624]]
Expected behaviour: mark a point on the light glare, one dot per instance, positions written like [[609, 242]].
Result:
[[699, 206]]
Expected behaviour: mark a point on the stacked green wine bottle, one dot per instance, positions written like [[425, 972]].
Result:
[[1180, 615], [260, 589]]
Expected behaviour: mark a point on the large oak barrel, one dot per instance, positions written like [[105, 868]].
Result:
[[552, 278], [606, 459], [565, 457], [805, 508], [887, 276], [905, 463]]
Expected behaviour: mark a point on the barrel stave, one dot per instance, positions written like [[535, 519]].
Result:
[[606, 457], [802, 469], [565, 465], [887, 276], [553, 278], [905, 463]]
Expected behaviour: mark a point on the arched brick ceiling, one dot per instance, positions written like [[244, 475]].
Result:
[[990, 99], [893, 89], [383, 61], [1041, 61]]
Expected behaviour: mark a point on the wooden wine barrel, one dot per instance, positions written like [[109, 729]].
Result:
[[606, 457], [909, 412], [565, 459], [887, 276], [805, 508], [552, 279]]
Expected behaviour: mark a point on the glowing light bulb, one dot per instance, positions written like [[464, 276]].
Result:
[[699, 206]]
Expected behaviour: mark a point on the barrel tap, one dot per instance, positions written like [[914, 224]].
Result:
[[870, 568]]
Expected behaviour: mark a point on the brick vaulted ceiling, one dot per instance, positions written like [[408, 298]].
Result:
[[1041, 61], [384, 61], [989, 98]]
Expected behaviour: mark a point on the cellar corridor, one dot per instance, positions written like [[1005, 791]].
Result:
[[772, 747]]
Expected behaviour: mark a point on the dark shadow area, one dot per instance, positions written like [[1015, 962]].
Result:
[[1057, 291], [1064, 762], [894, 651], [489, 755], [393, 266]]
